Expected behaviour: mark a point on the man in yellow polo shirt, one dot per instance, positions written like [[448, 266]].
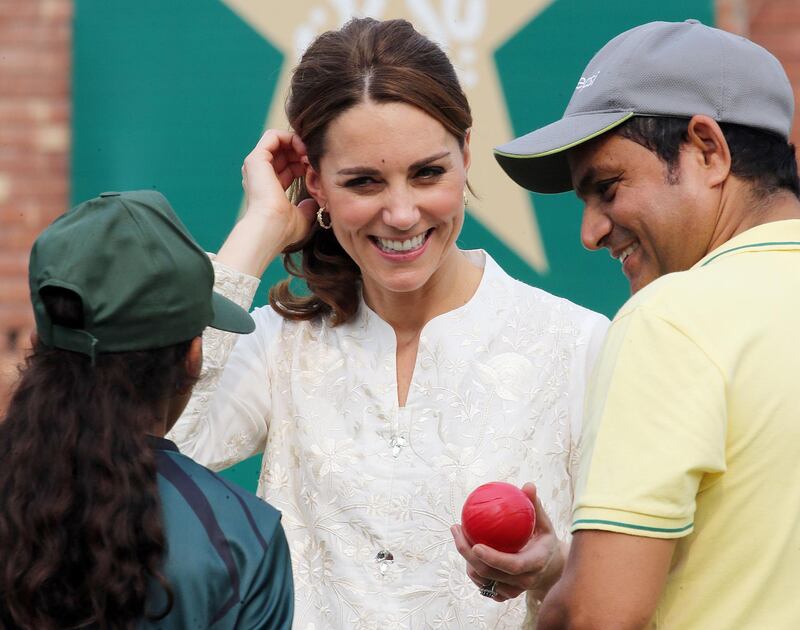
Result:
[[687, 509]]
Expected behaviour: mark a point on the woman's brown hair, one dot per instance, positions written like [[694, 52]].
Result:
[[81, 531], [370, 60]]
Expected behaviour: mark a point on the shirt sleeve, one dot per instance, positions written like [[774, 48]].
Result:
[[226, 420], [655, 429], [269, 602]]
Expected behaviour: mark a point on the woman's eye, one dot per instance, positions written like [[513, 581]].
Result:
[[359, 182], [430, 172]]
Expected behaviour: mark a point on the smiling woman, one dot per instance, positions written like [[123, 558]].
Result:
[[396, 207], [386, 129], [411, 372]]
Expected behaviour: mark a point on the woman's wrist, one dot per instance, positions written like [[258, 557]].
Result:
[[252, 245], [552, 570]]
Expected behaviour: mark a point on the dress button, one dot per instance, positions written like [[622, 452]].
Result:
[[397, 443], [384, 558]]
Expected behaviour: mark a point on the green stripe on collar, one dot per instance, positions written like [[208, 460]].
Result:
[[734, 249]]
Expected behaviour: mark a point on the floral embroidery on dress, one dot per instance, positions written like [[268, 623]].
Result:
[[369, 490]]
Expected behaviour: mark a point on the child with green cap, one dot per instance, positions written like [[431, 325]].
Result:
[[104, 524]]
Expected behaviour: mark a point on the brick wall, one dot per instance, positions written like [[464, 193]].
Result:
[[35, 48], [35, 51], [775, 24]]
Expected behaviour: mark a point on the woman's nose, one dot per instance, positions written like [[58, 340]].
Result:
[[401, 212]]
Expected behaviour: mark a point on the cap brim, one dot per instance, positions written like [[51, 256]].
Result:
[[230, 317], [538, 160]]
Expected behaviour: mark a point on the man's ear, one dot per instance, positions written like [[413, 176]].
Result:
[[705, 136]]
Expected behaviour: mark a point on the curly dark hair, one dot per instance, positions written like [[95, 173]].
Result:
[[81, 529], [383, 61]]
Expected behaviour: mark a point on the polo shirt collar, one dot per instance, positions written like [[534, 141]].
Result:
[[775, 235]]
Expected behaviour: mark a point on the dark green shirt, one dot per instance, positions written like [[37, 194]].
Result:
[[227, 560]]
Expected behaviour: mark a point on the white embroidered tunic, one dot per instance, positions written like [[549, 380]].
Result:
[[496, 395]]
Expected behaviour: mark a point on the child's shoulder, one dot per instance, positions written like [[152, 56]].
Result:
[[212, 498]]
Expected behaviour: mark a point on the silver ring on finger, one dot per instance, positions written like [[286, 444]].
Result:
[[489, 589]]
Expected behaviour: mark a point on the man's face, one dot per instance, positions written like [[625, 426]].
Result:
[[652, 221]]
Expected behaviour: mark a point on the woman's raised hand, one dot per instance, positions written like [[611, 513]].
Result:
[[271, 221], [268, 171]]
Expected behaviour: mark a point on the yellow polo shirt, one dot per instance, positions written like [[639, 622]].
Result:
[[692, 431]]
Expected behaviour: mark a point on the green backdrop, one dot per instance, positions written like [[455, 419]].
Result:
[[172, 96]]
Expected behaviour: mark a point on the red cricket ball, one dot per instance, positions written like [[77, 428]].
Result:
[[499, 515]]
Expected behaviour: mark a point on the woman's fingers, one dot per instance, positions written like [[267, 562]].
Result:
[[506, 591], [267, 172], [535, 567], [298, 169], [503, 590], [281, 152], [272, 139], [287, 170], [288, 165], [543, 523], [299, 145]]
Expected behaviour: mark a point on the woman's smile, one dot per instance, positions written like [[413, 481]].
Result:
[[402, 248]]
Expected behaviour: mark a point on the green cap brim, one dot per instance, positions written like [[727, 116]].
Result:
[[231, 317], [538, 160]]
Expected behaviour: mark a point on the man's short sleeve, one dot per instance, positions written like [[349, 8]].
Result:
[[654, 432]]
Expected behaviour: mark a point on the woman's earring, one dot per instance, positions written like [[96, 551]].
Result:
[[321, 218], [466, 199]]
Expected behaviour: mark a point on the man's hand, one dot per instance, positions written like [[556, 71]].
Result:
[[535, 567]]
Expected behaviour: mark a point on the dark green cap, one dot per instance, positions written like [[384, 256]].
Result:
[[143, 280]]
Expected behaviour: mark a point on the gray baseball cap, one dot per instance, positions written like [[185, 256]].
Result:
[[674, 69]]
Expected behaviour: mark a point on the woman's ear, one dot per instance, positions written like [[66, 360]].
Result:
[[314, 185], [466, 151]]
